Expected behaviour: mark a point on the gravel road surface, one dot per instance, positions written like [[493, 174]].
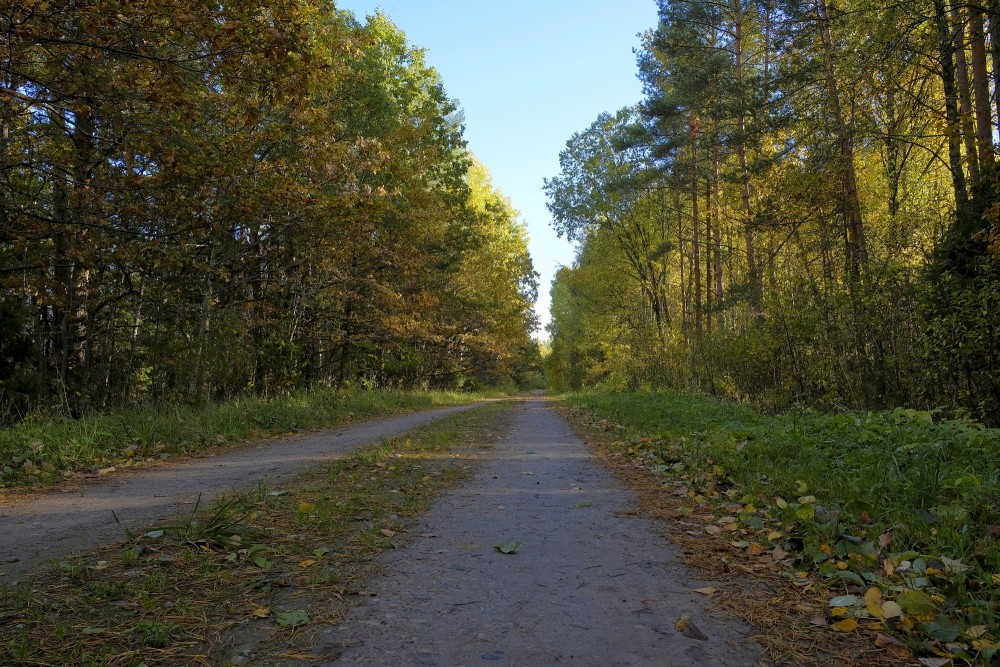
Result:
[[593, 583]]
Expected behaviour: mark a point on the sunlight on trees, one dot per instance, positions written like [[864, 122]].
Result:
[[266, 196], [803, 209]]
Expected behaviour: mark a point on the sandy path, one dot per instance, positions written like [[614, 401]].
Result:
[[591, 585], [53, 525]]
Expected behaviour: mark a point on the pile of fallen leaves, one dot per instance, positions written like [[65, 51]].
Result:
[[838, 572]]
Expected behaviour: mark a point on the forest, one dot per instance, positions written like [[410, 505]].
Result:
[[801, 211], [200, 202]]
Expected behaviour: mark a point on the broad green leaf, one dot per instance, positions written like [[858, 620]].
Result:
[[293, 619], [508, 547], [917, 603], [844, 601]]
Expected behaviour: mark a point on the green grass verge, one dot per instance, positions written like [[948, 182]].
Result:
[[252, 575], [45, 450], [900, 502]]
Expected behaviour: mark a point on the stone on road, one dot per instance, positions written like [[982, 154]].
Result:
[[592, 584]]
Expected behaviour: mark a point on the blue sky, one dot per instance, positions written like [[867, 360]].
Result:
[[528, 74]]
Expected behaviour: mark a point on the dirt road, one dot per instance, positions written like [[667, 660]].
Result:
[[48, 526], [593, 583]]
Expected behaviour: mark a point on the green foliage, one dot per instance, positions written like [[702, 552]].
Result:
[[774, 221], [197, 205]]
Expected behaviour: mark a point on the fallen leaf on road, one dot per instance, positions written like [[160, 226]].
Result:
[[708, 590], [846, 625], [935, 662], [293, 619], [897, 648], [508, 547], [891, 610], [309, 562], [873, 601], [261, 612], [687, 628]]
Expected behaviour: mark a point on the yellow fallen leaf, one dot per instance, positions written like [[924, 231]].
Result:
[[708, 590], [807, 500], [261, 612], [713, 530], [837, 612], [873, 600], [387, 532], [980, 644], [781, 502], [846, 625], [996, 579], [309, 562], [305, 507], [774, 535], [687, 628], [976, 631], [755, 550]]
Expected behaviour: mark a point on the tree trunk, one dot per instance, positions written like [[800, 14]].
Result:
[[680, 250], [696, 227], [857, 249], [717, 236], [965, 98], [945, 55], [194, 392], [981, 88], [753, 279], [994, 19], [709, 256]]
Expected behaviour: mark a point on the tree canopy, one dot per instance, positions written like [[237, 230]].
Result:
[[203, 201], [802, 209]]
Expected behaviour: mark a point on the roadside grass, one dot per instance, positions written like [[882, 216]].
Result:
[[890, 521], [252, 574], [44, 450]]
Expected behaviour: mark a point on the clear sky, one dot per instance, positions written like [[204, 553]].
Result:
[[527, 74]]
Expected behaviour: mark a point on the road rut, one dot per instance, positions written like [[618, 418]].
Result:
[[36, 530]]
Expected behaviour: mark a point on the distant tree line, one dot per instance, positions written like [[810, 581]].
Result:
[[199, 201], [803, 209]]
